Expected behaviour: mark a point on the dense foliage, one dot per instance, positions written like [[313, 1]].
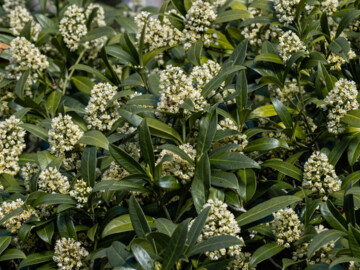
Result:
[[207, 134]]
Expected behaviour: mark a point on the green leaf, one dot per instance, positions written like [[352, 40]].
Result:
[[66, 226], [264, 252], [247, 184], [265, 111], [88, 165], [207, 132], [146, 145], [20, 84], [216, 81], [194, 53], [121, 224], [118, 255], [232, 15], [215, 243], [263, 144], [165, 226], [162, 130], [26, 31], [333, 216], [338, 150], [177, 151], [176, 245], [352, 118], [201, 183], [138, 219], [239, 54], [92, 232], [36, 130], [121, 55], [284, 167], [353, 152], [83, 84], [282, 112], [4, 243], [53, 101], [168, 182], [12, 254], [126, 161], [116, 185], [241, 88], [224, 179], [142, 257], [354, 240], [233, 161], [91, 71], [350, 15], [55, 199], [343, 259], [36, 258], [269, 57], [322, 239], [197, 227], [95, 138], [266, 208], [46, 233], [98, 33]]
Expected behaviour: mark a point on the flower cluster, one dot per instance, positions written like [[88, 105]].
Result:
[[25, 56], [320, 176], [340, 100], [173, 164], [285, 10], [14, 223], [177, 87], [73, 26], [28, 172], [10, 5], [6, 96], [81, 192], [238, 139], [286, 227], [102, 111], [322, 255], [290, 91], [220, 221], [114, 172], [63, 135], [157, 34], [240, 261], [19, 17], [336, 61], [69, 254], [12, 144], [329, 6], [52, 181], [290, 43]]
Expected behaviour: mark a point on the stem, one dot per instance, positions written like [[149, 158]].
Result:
[[68, 77], [166, 212]]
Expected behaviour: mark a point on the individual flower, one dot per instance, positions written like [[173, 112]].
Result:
[[220, 221], [69, 254], [285, 10], [321, 256], [14, 223], [73, 26], [290, 43], [19, 17], [320, 176], [52, 181], [175, 165], [340, 100], [25, 56], [12, 144], [286, 227], [63, 134], [102, 111], [81, 192], [157, 34]]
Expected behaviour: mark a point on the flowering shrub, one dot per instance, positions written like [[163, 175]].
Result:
[[205, 134]]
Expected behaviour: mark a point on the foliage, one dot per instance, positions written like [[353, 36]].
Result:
[[202, 135]]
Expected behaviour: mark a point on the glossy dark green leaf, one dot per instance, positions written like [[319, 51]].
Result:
[[46, 233], [53, 101], [247, 184], [176, 245], [125, 160], [284, 167], [118, 255], [165, 226], [142, 257], [207, 132], [333, 216], [269, 57], [168, 182], [20, 84], [36, 130], [322, 239], [12, 254], [264, 252], [37, 258], [232, 15], [138, 219], [146, 145], [54, 199], [233, 161], [241, 88], [162, 130], [263, 144], [197, 227], [95, 138], [201, 183], [66, 226], [224, 179], [4, 243], [282, 112], [194, 53], [88, 165], [266, 208]]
